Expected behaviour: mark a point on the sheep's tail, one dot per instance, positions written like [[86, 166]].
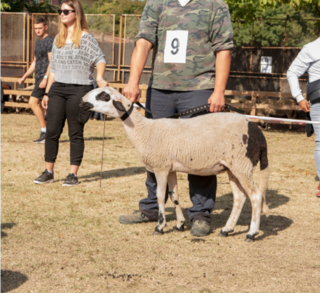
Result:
[[263, 181]]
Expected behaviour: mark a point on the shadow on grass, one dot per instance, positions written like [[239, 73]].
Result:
[[11, 280], [113, 173], [6, 226], [271, 225]]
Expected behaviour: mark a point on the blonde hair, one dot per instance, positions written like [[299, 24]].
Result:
[[80, 25]]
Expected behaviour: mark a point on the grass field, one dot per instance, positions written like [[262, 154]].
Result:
[[61, 239]]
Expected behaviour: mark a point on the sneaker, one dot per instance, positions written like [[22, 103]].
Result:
[[41, 139], [136, 217], [200, 228], [45, 177], [71, 180]]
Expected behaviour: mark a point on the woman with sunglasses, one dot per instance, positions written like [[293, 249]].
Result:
[[75, 53]]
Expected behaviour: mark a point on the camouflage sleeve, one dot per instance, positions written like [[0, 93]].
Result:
[[221, 32], [149, 23]]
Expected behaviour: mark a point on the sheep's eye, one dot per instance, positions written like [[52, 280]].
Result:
[[103, 96]]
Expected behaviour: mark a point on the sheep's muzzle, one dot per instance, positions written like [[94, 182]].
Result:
[[86, 105]]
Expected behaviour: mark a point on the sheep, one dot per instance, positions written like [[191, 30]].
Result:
[[291, 114], [203, 145]]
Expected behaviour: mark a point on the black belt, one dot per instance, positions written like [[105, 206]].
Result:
[[314, 96], [194, 110], [313, 90]]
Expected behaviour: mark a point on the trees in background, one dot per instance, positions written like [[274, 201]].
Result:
[[31, 6], [300, 28], [248, 10], [241, 10], [116, 7]]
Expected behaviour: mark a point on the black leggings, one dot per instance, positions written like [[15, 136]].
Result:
[[64, 100]]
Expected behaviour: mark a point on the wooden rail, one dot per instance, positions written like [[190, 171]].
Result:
[[27, 93], [253, 105]]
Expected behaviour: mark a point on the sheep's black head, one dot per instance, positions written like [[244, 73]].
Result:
[[107, 101]]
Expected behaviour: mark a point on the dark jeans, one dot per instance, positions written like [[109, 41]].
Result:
[[64, 100], [202, 189]]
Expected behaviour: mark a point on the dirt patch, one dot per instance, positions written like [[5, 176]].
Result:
[[60, 239]]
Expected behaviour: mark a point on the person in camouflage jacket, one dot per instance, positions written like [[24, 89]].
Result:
[[191, 42]]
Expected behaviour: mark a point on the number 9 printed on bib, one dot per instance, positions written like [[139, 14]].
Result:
[[175, 50]]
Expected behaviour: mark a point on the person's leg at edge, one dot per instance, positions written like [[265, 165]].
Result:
[[37, 109], [315, 116]]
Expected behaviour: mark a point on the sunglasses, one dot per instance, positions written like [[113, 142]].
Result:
[[65, 11]]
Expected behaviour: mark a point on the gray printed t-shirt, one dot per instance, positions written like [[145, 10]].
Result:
[[76, 65], [43, 47]]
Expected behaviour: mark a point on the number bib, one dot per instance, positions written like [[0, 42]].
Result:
[[175, 50]]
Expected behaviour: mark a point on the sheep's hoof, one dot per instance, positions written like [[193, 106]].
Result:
[[225, 233], [176, 229], [157, 231], [249, 238]]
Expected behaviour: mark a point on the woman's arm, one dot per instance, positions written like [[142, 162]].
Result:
[[101, 67], [45, 100], [44, 81]]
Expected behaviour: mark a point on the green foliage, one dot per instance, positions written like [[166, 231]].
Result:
[[247, 10], [5, 6], [266, 33], [116, 7], [31, 6], [41, 7], [111, 7]]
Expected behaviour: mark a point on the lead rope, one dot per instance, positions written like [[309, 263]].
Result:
[[104, 128]]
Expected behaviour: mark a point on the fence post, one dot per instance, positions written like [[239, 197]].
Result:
[[251, 56], [120, 49], [253, 101], [113, 40], [28, 43]]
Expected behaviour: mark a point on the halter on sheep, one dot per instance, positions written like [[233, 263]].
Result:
[[194, 146]]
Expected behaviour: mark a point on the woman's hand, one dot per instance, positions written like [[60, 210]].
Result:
[[102, 83], [45, 102]]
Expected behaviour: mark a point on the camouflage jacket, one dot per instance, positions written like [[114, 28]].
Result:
[[209, 29]]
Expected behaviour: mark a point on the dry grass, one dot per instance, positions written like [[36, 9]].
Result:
[[59, 239]]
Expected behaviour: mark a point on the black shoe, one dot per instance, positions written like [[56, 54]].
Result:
[[45, 177], [41, 139], [71, 180]]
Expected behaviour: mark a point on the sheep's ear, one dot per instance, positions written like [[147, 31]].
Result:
[[103, 96], [118, 105]]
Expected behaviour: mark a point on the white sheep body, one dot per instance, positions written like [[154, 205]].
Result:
[[195, 146], [203, 145]]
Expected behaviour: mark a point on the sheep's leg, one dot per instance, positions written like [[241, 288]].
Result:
[[162, 179], [239, 199], [173, 192], [255, 196]]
